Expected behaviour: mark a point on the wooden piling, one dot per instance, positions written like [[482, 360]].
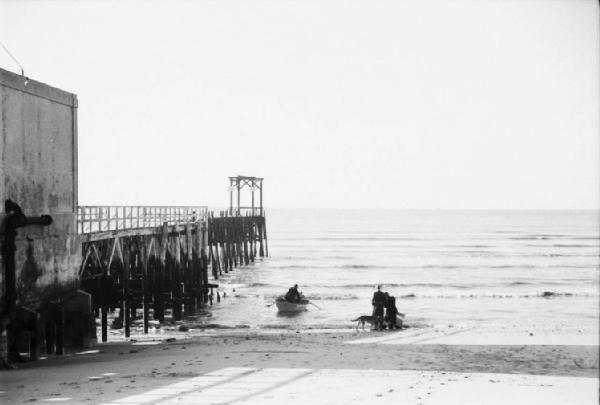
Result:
[[159, 298], [60, 330], [189, 285], [166, 265], [104, 322], [126, 292], [261, 251], [264, 220], [145, 256], [204, 261]]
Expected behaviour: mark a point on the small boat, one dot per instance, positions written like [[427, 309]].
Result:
[[284, 305]]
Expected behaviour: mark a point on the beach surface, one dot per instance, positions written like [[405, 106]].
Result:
[[428, 366], [502, 308]]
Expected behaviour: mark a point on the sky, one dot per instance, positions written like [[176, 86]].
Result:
[[338, 104]]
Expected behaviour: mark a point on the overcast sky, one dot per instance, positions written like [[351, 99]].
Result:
[[392, 104]]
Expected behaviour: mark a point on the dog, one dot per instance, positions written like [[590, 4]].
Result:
[[374, 321]]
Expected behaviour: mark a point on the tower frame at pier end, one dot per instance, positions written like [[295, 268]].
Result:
[[236, 184]]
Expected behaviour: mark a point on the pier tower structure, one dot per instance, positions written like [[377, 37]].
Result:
[[254, 185]]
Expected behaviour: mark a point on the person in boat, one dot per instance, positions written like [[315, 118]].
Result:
[[378, 303], [293, 295]]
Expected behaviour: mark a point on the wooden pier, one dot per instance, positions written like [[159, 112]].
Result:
[[153, 259]]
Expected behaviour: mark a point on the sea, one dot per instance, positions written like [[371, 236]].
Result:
[[445, 268]]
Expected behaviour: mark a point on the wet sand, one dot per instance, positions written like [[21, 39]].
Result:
[[120, 370]]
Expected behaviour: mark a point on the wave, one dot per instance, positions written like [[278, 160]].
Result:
[[332, 297], [358, 266], [540, 237], [468, 246], [261, 285], [564, 245], [543, 294], [328, 297], [304, 327], [553, 236], [367, 238]]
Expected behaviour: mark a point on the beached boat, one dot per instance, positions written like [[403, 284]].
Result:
[[284, 305]]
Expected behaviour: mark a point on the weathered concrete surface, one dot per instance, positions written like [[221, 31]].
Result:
[[38, 171]]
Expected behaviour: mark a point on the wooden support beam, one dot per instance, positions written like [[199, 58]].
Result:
[[190, 301], [60, 330], [264, 219], [126, 303], [146, 291], [177, 279], [159, 304], [104, 323], [204, 229], [112, 253], [261, 251]]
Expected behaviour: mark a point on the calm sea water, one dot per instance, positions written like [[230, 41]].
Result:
[[443, 267]]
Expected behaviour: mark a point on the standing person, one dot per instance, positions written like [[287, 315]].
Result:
[[293, 295], [390, 310], [378, 303]]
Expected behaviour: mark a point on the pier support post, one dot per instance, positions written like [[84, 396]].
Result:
[[159, 301], [264, 219], [60, 330], [126, 293], [261, 251], [104, 322], [204, 264], [191, 272], [145, 256], [177, 280]]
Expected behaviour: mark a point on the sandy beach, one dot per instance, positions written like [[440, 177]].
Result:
[[311, 366]]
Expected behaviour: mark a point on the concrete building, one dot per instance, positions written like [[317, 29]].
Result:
[[38, 172]]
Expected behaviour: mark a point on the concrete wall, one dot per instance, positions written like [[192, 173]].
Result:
[[38, 171]]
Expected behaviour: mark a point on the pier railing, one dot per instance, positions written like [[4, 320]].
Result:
[[102, 218]]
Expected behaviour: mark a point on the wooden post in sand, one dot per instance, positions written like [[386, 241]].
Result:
[[260, 238], [252, 241], [246, 237], [213, 261], [232, 240], [126, 297], [240, 239], [204, 243], [145, 256], [264, 219], [159, 299], [190, 301], [217, 243]]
